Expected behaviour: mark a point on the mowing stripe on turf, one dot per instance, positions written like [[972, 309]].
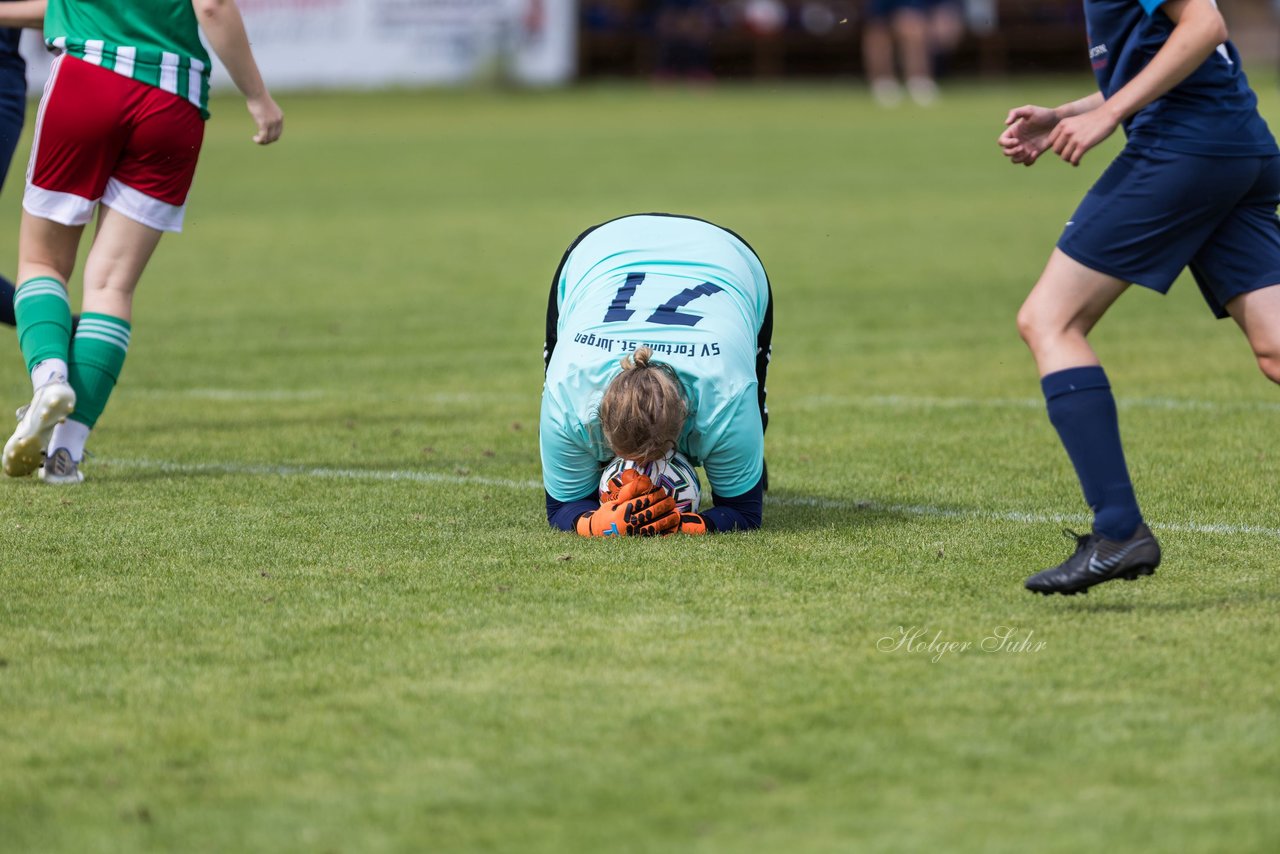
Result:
[[1013, 516], [898, 401], [922, 510], [816, 401], [322, 473]]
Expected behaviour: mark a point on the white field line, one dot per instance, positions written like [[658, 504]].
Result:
[[921, 510], [270, 395]]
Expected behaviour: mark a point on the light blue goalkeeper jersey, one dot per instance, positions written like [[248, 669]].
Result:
[[696, 295]]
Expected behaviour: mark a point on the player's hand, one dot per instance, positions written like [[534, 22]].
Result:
[[1026, 134], [268, 116], [625, 485], [693, 523], [636, 513], [1076, 135]]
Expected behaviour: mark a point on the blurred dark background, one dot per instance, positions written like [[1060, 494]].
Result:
[[743, 39]]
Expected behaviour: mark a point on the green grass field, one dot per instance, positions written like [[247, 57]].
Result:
[[307, 599]]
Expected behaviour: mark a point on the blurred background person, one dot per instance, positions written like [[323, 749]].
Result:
[[913, 37], [683, 30], [606, 16], [902, 25]]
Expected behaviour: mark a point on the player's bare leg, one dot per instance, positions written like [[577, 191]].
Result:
[[877, 59], [946, 28], [1061, 311], [120, 252], [1055, 320], [1258, 314], [911, 29], [47, 248]]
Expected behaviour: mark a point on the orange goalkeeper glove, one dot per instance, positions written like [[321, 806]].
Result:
[[624, 485], [638, 509], [693, 523]]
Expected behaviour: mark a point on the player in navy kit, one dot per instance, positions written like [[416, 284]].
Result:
[[13, 101], [1196, 186]]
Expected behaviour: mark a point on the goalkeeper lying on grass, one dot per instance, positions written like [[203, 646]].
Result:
[[658, 337]]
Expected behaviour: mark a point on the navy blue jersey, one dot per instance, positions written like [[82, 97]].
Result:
[[1213, 112], [13, 95], [13, 70]]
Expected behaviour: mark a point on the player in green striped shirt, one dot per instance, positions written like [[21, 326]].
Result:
[[156, 42], [119, 130]]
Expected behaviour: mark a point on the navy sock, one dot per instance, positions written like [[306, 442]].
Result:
[[6, 302], [1083, 411]]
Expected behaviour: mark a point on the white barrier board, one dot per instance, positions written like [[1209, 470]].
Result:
[[317, 44]]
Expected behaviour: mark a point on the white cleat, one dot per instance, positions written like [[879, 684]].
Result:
[[51, 404], [887, 92], [59, 468], [923, 91]]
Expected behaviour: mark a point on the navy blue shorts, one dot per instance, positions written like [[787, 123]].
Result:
[[1154, 213], [878, 9]]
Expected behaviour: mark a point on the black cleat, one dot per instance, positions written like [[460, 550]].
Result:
[[1098, 559]]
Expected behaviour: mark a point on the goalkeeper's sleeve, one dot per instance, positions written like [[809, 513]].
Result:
[[743, 512], [563, 514]]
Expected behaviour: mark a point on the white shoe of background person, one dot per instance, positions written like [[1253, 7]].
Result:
[[923, 91], [887, 92]]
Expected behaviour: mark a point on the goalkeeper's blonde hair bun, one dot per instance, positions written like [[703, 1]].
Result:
[[643, 409]]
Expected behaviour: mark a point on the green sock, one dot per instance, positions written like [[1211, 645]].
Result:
[[43, 313], [97, 355]]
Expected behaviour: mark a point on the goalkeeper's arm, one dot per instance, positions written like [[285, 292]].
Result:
[[564, 514], [743, 512]]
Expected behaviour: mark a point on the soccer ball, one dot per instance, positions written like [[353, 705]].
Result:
[[675, 474]]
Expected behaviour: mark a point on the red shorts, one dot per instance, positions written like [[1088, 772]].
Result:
[[104, 137]]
